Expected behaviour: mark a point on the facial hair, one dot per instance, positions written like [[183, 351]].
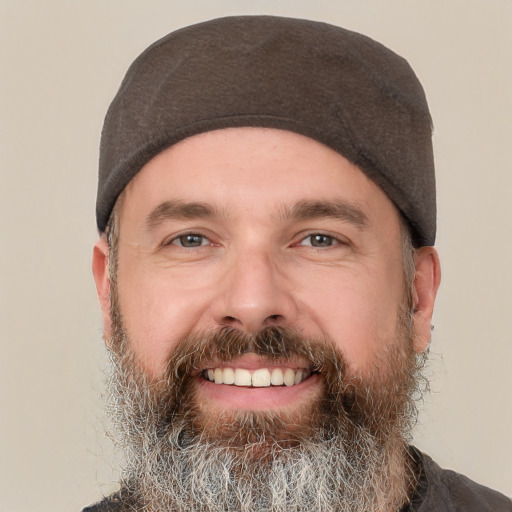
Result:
[[346, 451]]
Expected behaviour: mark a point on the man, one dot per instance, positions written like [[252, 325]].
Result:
[[267, 275]]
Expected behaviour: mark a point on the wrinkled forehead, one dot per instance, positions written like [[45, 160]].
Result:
[[330, 84]]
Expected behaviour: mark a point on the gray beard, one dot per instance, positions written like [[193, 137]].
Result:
[[348, 452]]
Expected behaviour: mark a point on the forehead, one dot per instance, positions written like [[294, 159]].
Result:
[[252, 169]]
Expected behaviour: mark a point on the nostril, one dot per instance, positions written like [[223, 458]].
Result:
[[230, 321], [251, 325]]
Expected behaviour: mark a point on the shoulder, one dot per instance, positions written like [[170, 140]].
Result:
[[452, 492]]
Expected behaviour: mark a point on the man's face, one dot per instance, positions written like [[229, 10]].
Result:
[[251, 228], [258, 301]]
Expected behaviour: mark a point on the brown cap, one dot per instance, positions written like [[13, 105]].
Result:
[[333, 85]]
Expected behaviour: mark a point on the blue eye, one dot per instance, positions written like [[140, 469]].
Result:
[[319, 240], [190, 240]]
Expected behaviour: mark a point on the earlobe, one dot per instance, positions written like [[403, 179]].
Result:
[[426, 283], [101, 277]]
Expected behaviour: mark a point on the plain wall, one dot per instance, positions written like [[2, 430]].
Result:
[[60, 65]]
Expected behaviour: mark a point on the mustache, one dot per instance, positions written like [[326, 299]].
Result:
[[274, 344]]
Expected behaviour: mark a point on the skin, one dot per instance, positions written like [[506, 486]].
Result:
[[261, 260]]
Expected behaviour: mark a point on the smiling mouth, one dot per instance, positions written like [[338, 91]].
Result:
[[258, 378]]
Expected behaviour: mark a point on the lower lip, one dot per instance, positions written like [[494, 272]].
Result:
[[258, 399]]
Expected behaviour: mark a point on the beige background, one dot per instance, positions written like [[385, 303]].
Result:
[[60, 64]]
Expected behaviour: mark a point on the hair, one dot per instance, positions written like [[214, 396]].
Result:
[[312, 469]]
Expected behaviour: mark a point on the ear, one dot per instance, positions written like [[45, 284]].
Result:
[[426, 282], [101, 277]]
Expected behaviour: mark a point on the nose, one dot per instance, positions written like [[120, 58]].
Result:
[[254, 293]]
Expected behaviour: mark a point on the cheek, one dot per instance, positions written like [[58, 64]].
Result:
[[356, 310], [158, 309]]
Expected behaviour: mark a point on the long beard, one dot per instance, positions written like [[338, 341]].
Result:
[[345, 451]]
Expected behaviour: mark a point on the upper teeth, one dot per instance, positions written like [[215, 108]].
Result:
[[260, 378]]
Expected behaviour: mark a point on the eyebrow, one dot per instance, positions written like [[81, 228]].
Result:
[[340, 210], [174, 209], [302, 210]]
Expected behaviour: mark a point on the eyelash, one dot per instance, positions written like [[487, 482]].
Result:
[[332, 239], [205, 241], [183, 236]]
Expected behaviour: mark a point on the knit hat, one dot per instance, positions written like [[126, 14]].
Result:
[[330, 84]]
